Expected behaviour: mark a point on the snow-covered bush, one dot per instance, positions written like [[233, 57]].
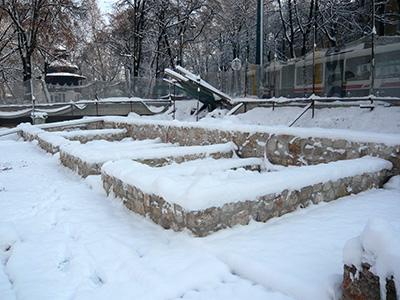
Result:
[[379, 247]]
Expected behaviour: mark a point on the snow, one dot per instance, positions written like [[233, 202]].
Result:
[[102, 151], [30, 129], [60, 62], [34, 129], [89, 133], [217, 124], [393, 183], [203, 83], [65, 74], [49, 137], [67, 240], [380, 120], [379, 246], [202, 187], [72, 242], [14, 114], [39, 114], [54, 139]]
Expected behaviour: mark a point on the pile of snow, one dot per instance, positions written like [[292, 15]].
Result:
[[379, 246], [30, 129], [184, 110], [393, 183], [39, 114], [76, 243], [227, 125], [71, 123], [89, 133], [217, 185], [54, 139], [102, 151], [380, 120]]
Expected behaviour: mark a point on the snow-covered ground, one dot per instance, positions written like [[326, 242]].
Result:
[[213, 183], [381, 119], [63, 238]]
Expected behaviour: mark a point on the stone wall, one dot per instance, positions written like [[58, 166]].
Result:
[[91, 125], [363, 284], [280, 148], [203, 222], [79, 166], [51, 148], [85, 169], [83, 139], [26, 135], [46, 146]]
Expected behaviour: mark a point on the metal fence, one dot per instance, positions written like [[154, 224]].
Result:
[[234, 83], [248, 81], [18, 92]]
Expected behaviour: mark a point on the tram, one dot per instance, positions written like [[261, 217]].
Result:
[[342, 72]]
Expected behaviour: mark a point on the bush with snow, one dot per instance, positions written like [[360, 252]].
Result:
[[379, 246], [393, 183]]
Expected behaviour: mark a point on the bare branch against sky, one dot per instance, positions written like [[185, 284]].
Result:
[[105, 5]]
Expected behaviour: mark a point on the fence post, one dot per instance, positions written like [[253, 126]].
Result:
[[312, 108]]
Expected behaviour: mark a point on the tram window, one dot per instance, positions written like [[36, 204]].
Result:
[[388, 65], [300, 75], [318, 73], [333, 71], [287, 76], [304, 74], [272, 78], [358, 68]]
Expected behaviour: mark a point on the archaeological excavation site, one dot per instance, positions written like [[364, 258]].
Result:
[[204, 177]]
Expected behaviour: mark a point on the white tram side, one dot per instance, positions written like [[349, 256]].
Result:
[[337, 73]]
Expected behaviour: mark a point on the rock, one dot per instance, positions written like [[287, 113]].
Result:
[[360, 285]]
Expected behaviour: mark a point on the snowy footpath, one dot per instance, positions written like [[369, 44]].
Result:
[[61, 237]]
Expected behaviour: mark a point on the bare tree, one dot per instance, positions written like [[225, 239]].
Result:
[[32, 21]]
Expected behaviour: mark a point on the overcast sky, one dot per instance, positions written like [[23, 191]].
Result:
[[105, 5]]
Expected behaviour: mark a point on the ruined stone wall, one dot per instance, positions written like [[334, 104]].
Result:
[[363, 284], [91, 125], [112, 137], [26, 135], [79, 166], [85, 169], [46, 146], [203, 222], [281, 149]]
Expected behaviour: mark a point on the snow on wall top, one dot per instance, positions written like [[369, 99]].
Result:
[[54, 139], [30, 129], [84, 120], [196, 188], [102, 151], [350, 135], [379, 246], [89, 133]]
